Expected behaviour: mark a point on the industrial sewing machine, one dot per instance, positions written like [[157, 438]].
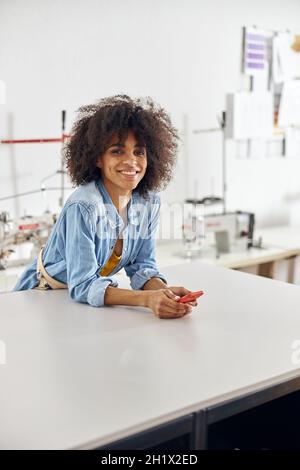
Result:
[[232, 231], [34, 229], [225, 232]]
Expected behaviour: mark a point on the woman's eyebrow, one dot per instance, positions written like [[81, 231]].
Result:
[[116, 145], [122, 145]]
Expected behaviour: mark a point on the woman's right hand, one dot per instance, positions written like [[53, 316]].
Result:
[[164, 305]]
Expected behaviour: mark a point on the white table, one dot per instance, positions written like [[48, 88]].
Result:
[[279, 243], [171, 253], [79, 377], [283, 237]]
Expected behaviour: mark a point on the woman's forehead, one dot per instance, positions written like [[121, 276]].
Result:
[[126, 136]]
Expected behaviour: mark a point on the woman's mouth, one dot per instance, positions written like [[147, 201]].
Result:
[[129, 174]]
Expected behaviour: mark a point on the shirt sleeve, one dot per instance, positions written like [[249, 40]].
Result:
[[84, 283], [143, 267]]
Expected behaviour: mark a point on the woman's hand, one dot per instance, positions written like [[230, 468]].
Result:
[[181, 291], [163, 303]]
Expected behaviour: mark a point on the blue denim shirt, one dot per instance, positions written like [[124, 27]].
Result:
[[84, 236]]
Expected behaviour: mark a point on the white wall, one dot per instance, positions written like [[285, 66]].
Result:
[[60, 54]]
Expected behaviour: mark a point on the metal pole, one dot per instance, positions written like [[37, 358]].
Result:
[[222, 128], [224, 173], [62, 175]]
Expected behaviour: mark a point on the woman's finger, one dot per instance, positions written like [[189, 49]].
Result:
[[168, 313], [192, 304], [175, 306], [171, 295], [179, 290]]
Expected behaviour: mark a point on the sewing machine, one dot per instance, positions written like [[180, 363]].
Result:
[[232, 231], [33, 229]]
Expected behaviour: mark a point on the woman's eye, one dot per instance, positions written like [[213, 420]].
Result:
[[140, 152], [137, 152]]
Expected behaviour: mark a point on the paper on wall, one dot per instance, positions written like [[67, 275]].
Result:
[[289, 107], [250, 115], [292, 142], [286, 57], [256, 51], [257, 148]]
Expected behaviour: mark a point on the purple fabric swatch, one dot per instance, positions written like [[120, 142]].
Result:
[[255, 65], [256, 37], [256, 47], [256, 56]]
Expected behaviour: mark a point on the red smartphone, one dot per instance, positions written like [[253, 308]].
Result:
[[191, 296]]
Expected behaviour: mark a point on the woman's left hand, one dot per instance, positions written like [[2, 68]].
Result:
[[181, 291]]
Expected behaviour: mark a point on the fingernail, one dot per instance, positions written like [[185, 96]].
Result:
[[177, 297]]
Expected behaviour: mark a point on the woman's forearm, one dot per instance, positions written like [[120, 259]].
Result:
[[116, 296], [154, 283]]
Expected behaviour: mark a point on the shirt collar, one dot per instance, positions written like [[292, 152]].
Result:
[[111, 212]]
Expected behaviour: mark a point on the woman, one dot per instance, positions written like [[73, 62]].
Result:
[[121, 151]]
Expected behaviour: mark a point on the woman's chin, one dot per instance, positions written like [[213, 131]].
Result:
[[129, 184]]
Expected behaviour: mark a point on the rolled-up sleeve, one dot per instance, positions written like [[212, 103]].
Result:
[[143, 267], [84, 283]]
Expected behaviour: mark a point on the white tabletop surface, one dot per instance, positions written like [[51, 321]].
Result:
[[80, 377], [172, 253], [286, 236], [279, 243]]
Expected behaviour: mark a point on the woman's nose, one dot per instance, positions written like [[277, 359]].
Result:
[[130, 155]]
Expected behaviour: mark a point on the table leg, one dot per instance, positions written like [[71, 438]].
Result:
[[291, 269], [199, 434], [266, 269]]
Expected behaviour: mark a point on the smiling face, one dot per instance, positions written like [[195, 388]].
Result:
[[123, 165]]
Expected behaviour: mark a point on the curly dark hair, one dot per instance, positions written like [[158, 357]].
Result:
[[96, 125]]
